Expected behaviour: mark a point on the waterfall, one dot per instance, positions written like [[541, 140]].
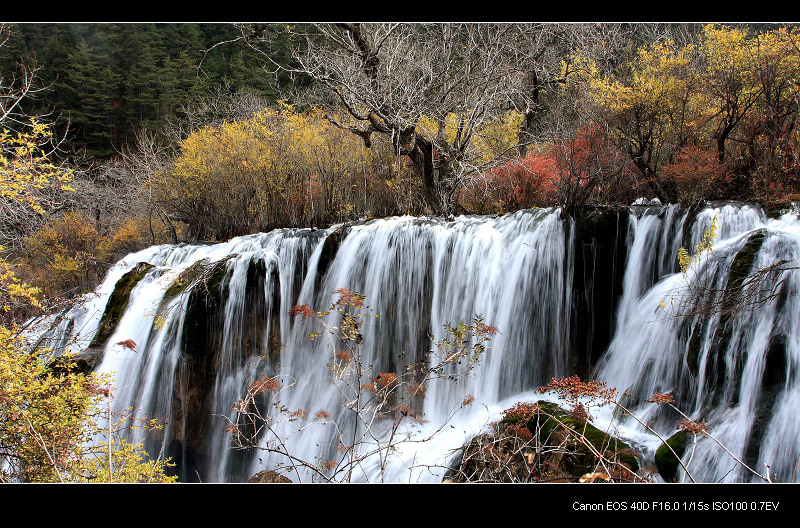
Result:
[[209, 319], [733, 371]]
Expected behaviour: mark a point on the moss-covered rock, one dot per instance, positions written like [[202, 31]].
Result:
[[184, 280], [117, 302], [209, 273], [552, 422], [544, 443], [717, 375], [665, 460], [772, 384], [743, 262]]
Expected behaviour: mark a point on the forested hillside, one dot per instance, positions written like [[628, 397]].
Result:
[[109, 80]]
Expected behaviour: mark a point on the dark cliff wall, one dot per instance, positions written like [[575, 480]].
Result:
[[600, 253]]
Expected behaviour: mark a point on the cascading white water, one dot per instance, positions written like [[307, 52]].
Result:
[[418, 274], [149, 376], [715, 364]]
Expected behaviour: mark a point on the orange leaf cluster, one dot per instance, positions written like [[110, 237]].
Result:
[[521, 432], [128, 343], [302, 310], [521, 412], [349, 298], [484, 331], [580, 413], [384, 379], [691, 426], [342, 355], [573, 388], [233, 430], [661, 398], [264, 384]]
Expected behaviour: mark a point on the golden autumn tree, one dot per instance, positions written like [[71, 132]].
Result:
[[26, 177], [64, 256], [222, 176], [753, 94], [648, 108], [284, 167], [50, 411], [727, 82], [30, 183], [733, 92]]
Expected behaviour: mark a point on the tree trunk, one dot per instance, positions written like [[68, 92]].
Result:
[[525, 136], [436, 175]]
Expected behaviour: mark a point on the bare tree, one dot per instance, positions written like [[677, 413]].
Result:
[[432, 88], [408, 81], [541, 53], [16, 86], [222, 104]]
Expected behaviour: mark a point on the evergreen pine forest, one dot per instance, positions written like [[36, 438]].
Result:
[[139, 134]]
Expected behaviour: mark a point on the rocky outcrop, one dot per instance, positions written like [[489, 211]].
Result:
[[81, 363], [117, 303], [665, 459], [542, 442]]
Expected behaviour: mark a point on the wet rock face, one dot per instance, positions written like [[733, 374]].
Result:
[[599, 268], [204, 351], [118, 302], [192, 408]]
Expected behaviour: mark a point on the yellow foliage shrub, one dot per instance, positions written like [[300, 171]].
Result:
[[63, 257]]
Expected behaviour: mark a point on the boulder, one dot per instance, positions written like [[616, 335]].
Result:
[[269, 477], [548, 444], [665, 459]]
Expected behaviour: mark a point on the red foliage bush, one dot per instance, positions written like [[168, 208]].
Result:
[[519, 184], [698, 174]]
